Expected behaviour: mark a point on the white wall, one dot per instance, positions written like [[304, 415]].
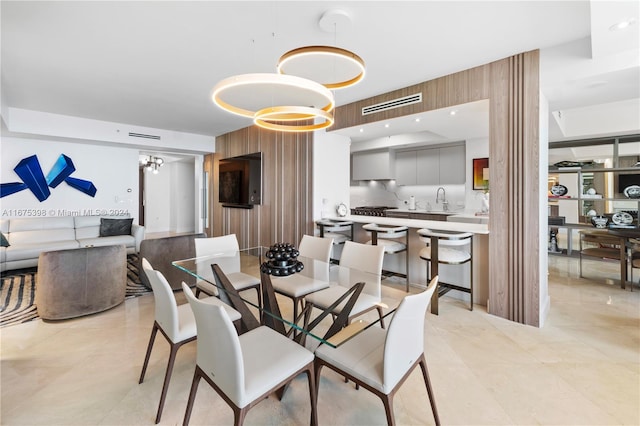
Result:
[[331, 173], [157, 200], [182, 197], [170, 198], [113, 170]]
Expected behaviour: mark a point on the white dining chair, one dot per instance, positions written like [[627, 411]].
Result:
[[381, 360], [355, 258], [244, 369], [299, 285], [226, 246], [176, 323]]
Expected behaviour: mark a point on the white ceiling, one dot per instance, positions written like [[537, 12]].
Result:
[[154, 64]]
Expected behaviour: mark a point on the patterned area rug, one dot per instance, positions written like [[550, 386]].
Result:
[[18, 292]]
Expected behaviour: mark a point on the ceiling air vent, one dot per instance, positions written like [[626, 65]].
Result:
[[142, 135], [396, 103]]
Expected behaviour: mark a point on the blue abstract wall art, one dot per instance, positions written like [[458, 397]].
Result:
[[29, 170]]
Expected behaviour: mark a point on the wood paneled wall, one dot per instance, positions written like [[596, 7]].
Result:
[[512, 87], [286, 212]]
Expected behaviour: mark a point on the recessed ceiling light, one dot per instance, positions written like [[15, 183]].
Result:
[[361, 130], [386, 125], [622, 25], [453, 112], [418, 120]]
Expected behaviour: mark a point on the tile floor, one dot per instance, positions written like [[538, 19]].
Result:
[[581, 368]]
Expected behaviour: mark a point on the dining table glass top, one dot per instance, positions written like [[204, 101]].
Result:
[[248, 262]]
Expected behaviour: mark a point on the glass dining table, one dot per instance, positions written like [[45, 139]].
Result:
[[221, 269]]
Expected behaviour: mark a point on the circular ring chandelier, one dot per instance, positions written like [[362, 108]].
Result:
[[333, 67], [274, 118], [246, 94]]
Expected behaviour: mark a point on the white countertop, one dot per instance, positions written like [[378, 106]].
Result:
[[475, 228]]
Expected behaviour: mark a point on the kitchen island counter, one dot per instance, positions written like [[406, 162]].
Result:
[[417, 266], [474, 228]]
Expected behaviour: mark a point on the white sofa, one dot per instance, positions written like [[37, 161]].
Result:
[[28, 237]]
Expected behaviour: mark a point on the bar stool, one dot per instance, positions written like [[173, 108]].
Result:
[[451, 248], [385, 236], [335, 228]]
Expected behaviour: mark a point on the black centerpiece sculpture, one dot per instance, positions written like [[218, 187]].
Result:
[[282, 260]]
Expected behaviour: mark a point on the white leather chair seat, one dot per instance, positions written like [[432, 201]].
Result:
[[337, 237], [323, 299], [239, 280], [361, 356], [390, 246], [268, 356], [297, 285], [446, 255]]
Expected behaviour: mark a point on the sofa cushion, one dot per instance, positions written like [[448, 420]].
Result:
[[42, 237], [125, 240], [33, 250], [37, 224], [112, 227]]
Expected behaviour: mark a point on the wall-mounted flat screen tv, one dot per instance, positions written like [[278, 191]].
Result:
[[240, 181]]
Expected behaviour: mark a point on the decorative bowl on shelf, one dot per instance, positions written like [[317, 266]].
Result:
[[600, 221], [632, 191], [559, 190], [622, 218]]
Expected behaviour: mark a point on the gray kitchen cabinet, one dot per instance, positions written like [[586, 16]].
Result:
[[452, 165], [428, 166], [431, 166], [406, 168], [372, 165]]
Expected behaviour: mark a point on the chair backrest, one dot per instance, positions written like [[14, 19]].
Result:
[[404, 342], [363, 257], [218, 245], [357, 258], [449, 239], [166, 308], [386, 231], [219, 353], [316, 247]]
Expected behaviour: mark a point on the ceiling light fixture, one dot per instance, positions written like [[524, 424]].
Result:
[[333, 67], [152, 164], [273, 118], [622, 25], [246, 94], [297, 98]]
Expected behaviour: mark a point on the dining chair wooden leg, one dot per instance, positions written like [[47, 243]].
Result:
[[427, 382], [192, 395], [152, 339], [167, 377], [313, 394], [387, 400], [238, 415]]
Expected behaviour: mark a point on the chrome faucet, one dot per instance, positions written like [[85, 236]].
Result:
[[445, 203]]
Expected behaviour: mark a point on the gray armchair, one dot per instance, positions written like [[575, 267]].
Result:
[[76, 282]]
